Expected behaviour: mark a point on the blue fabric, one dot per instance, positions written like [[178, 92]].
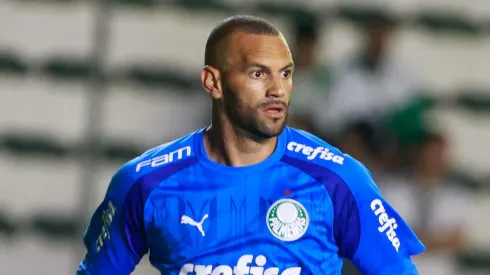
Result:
[[301, 211]]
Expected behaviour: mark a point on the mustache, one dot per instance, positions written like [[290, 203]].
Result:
[[273, 102]]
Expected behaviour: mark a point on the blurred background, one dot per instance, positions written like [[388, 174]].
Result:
[[403, 86]]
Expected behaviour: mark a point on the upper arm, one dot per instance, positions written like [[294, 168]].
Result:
[[115, 239], [371, 233]]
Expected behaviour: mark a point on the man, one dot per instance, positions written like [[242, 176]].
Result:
[[247, 195]]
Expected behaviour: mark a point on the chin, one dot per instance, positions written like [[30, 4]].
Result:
[[271, 130]]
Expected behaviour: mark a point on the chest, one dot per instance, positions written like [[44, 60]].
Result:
[[221, 217]]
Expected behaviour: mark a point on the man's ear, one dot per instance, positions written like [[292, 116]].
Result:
[[211, 81]]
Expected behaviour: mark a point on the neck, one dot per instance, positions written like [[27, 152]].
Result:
[[229, 145]]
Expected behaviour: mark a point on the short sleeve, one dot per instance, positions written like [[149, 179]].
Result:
[[115, 239], [371, 232]]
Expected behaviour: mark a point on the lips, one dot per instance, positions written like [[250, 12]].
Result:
[[275, 107], [275, 110]]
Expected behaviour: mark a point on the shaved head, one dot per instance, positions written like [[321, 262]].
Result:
[[216, 49]]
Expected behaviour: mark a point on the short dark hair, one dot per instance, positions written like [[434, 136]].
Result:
[[238, 23]]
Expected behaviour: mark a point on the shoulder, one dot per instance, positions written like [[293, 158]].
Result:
[[348, 183], [325, 162], [167, 158]]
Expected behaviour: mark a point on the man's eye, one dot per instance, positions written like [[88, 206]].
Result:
[[286, 74], [257, 74]]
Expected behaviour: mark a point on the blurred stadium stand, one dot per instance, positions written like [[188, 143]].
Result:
[[156, 50]]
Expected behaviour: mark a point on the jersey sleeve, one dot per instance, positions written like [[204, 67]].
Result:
[[372, 234], [115, 238]]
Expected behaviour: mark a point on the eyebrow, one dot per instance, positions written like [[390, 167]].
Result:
[[290, 65], [264, 67]]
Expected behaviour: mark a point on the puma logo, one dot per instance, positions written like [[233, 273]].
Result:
[[188, 220]]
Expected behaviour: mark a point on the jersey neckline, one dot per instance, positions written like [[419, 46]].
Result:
[[274, 158]]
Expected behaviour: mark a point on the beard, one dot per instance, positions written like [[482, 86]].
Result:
[[249, 118]]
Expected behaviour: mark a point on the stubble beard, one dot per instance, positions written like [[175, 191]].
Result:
[[248, 118]]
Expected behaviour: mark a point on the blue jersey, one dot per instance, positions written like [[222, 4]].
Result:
[[300, 211]]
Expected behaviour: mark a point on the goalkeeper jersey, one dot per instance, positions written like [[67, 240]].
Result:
[[301, 211]]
